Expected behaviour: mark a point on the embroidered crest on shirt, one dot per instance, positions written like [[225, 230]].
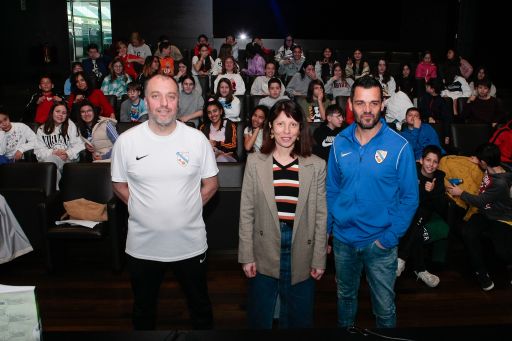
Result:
[[182, 158], [380, 155]]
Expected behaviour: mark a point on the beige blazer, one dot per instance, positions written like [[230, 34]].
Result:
[[259, 231]]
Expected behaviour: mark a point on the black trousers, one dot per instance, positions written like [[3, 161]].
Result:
[[146, 278], [479, 228], [411, 245]]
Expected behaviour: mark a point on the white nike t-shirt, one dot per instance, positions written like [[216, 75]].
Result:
[[164, 178]]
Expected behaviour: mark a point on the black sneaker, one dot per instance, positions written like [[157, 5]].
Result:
[[485, 281]]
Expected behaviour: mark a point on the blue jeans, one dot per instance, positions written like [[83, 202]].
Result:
[[380, 266], [296, 310]]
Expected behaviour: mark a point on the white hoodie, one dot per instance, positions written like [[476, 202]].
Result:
[[46, 144], [20, 137]]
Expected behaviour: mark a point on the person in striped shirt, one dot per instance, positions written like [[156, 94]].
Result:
[[283, 217]]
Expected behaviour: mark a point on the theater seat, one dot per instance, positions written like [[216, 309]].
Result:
[[30, 191], [222, 213], [466, 137], [91, 181]]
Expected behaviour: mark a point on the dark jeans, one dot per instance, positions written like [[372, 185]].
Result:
[[411, 245], [478, 228], [296, 309], [146, 278]]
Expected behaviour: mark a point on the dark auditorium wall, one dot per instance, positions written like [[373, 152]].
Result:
[[181, 20], [23, 34]]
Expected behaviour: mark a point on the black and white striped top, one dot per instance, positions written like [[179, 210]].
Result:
[[286, 189]]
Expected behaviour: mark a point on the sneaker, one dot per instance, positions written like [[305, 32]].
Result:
[[400, 268], [428, 278], [485, 281]]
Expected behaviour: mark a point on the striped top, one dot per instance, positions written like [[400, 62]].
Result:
[[286, 189]]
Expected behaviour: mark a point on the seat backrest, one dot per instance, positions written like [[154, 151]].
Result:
[[29, 175], [91, 181], [466, 137], [240, 149], [124, 126], [254, 100], [112, 99], [341, 101], [231, 174], [461, 102], [242, 107]]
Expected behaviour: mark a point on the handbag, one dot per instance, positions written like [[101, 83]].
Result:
[[83, 209]]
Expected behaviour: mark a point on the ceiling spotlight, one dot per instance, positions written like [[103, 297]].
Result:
[[242, 36]]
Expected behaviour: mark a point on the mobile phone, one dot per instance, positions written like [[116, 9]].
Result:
[[455, 181]]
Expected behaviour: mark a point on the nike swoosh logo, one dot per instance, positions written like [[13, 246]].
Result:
[[345, 154], [326, 144], [141, 157]]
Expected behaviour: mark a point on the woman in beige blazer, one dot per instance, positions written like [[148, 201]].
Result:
[[283, 219]]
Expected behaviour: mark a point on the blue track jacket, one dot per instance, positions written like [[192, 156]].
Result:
[[372, 190]]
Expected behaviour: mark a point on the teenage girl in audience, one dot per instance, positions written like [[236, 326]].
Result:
[[115, 83], [387, 82], [75, 67], [58, 140], [191, 102], [100, 132], [230, 103], [358, 66], [315, 103], [151, 67], [128, 59], [202, 64], [480, 74], [220, 131], [253, 133], [338, 85], [298, 85], [255, 61], [425, 71], [224, 52], [230, 71], [324, 67], [182, 73], [455, 86], [405, 81], [82, 89], [285, 52]]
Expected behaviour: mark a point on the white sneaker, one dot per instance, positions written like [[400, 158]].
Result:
[[428, 278], [400, 268]]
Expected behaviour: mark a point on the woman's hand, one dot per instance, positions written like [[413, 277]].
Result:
[[317, 273], [454, 190], [250, 269]]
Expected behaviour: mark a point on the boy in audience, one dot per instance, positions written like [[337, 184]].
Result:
[[39, 105], [419, 134], [324, 135], [166, 61], [493, 221], [231, 40], [134, 108], [202, 40], [15, 139], [274, 90], [96, 66], [485, 108], [435, 109], [432, 195]]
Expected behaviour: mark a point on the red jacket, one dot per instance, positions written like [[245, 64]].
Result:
[[426, 71], [503, 139], [98, 99]]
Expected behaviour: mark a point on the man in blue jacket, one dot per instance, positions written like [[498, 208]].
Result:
[[372, 195], [418, 134]]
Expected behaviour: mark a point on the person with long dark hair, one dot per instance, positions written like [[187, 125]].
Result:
[[283, 194], [82, 89], [58, 140], [99, 132], [220, 131]]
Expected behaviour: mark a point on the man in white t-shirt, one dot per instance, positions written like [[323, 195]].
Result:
[[165, 172]]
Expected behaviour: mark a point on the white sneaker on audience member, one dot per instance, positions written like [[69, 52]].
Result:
[[400, 268], [428, 278]]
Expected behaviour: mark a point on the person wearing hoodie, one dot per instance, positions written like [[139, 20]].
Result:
[[419, 134], [372, 195], [494, 217]]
